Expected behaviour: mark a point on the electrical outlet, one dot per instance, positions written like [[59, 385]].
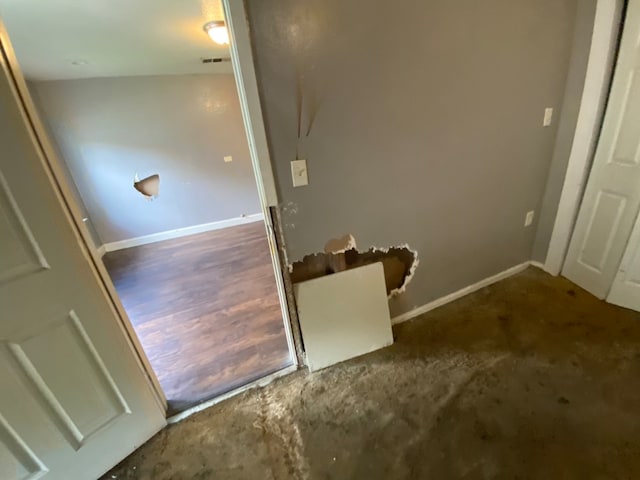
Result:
[[228, 159], [548, 117], [299, 173], [528, 219]]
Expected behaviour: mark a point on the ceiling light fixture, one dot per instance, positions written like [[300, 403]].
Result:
[[217, 31]]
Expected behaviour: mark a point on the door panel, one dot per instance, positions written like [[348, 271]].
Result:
[[626, 149], [612, 196], [74, 400], [38, 357], [20, 254], [609, 208], [626, 286], [16, 460]]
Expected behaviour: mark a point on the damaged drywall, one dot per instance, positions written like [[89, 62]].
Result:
[[149, 186], [341, 254], [340, 245]]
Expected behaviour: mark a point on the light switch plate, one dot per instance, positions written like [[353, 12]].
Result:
[[228, 159], [299, 173], [548, 117], [528, 219]]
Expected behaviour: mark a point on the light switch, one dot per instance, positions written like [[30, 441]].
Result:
[[228, 158], [528, 219], [299, 173], [548, 116]]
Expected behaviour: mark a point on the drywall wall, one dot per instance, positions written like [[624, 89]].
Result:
[[424, 124], [567, 128], [180, 127]]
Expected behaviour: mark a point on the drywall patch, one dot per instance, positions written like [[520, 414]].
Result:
[[399, 263]]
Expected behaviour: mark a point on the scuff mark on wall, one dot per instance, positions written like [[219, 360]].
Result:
[[288, 212], [399, 262]]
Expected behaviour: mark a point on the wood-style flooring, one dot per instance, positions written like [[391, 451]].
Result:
[[206, 310]]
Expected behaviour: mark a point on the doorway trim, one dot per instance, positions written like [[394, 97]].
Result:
[[244, 72], [247, 83], [602, 52]]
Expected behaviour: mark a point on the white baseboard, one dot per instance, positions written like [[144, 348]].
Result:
[[180, 232], [460, 293], [535, 263]]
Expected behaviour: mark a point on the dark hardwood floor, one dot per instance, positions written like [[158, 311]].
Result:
[[206, 310]]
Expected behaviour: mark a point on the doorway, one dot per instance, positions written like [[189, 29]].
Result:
[[142, 109], [205, 308]]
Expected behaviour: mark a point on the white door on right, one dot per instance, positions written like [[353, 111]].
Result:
[[626, 286], [612, 197]]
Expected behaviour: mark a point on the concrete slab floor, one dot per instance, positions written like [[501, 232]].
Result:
[[531, 378]]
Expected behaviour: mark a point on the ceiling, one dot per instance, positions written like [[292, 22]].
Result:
[[68, 39]]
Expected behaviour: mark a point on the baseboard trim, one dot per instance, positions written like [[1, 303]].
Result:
[[101, 250], [460, 293], [540, 265], [181, 232]]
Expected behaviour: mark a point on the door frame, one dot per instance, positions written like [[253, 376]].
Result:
[[604, 45], [246, 82], [244, 72]]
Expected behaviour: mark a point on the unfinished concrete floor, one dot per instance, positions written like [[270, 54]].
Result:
[[531, 378]]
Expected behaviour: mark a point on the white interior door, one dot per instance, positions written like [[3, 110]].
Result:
[[626, 286], [612, 197], [74, 400]]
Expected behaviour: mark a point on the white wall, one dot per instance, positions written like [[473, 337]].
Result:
[[181, 127]]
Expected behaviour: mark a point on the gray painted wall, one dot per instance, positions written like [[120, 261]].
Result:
[[428, 125], [180, 127]]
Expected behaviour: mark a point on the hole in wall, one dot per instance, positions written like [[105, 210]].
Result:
[[149, 186], [341, 254]]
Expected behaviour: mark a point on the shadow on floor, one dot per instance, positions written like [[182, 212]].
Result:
[[529, 378]]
